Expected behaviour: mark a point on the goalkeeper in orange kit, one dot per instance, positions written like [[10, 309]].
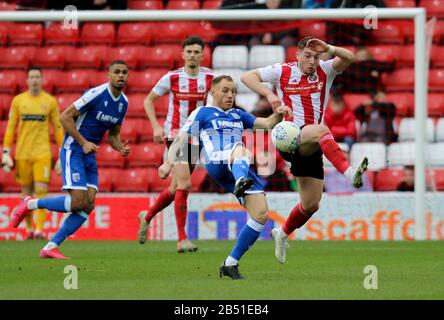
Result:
[[30, 114]]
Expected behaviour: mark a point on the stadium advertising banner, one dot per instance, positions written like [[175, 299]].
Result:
[[359, 216]]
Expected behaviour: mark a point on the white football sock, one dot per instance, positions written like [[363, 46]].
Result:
[[230, 261], [32, 204], [349, 173], [50, 245]]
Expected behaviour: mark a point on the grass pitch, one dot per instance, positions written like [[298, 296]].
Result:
[[314, 270]]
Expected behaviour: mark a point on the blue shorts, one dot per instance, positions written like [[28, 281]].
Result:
[[223, 176], [79, 170]]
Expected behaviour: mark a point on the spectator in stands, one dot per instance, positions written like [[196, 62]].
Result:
[[340, 120], [364, 75], [334, 181], [262, 108], [318, 4], [408, 181], [88, 4], [376, 118]]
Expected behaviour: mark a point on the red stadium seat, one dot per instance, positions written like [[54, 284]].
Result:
[[129, 54], [437, 57], [145, 5], [66, 99], [16, 57], [439, 178], [211, 4], [5, 105], [128, 132], [56, 33], [50, 57], [5, 6], [132, 180], [98, 33], [108, 157], [197, 178], [162, 55], [400, 80], [436, 79], [50, 78], [205, 31], [400, 3], [86, 57], [435, 104], [146, 155], [406, 57], [3, 125], [206, 61], [316, 29], [135, 32], [106, 179], [25, 34], [404, 103], [176, 31], [4, 26], [8, 183], [157, 184], [388, 179], [12, 80], [54, 150], [135, 105], [183, 5], [389, 32], [55, 183], [144, 81], [353, 100], [145, 130], [75, 80], [384, 52], [435, 8]]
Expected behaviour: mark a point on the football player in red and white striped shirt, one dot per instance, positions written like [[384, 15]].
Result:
[[187, 87], [304, 86]]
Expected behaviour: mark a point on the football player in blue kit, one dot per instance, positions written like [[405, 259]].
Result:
[[85, 122], [219, 127]]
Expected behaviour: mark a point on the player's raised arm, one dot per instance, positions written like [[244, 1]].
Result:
[[343, 57], [67, 119], [148, 104], [252, 79], [115, 142], [272, 120]]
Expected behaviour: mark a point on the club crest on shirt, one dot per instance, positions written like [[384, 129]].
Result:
[[313, 78], [235, 115], [44, 107], [76, 177], [120, 107], [201, 87], [106, 103]]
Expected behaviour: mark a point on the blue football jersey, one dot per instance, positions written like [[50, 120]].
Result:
[[100, 110], [218, 130]]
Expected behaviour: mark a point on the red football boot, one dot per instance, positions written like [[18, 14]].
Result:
[[54, 253], [20, 212]]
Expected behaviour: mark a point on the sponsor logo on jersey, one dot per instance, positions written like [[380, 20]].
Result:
[[221, 124], [33, 117], [106, 117]]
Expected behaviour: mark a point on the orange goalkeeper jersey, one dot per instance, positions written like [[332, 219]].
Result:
[[32, 115]]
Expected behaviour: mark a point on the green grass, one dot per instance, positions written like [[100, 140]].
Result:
[[314, 270]]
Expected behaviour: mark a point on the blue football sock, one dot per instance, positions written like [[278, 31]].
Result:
[[248, 235], [70, 225], [60, 204], [240, 168]]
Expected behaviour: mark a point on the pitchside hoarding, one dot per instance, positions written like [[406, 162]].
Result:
[[359, 216]]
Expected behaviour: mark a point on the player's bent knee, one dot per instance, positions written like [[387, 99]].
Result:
[[311, 208], [79, 204]]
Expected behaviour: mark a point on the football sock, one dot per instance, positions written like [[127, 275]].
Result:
[[247, 236], [180, 211], [297, 218], [29, 221], [60, 204], [40, 213], [71, 225], [333, 152], [163, 200], [240, 168]]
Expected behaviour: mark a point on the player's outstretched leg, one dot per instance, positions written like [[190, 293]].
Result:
[[21, 211]]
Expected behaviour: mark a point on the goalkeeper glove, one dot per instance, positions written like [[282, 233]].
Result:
[[7, 162], [58, 167]]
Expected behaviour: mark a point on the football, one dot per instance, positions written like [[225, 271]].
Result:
[[285, 136]]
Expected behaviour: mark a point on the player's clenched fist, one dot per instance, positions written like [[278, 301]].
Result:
[[158, 135], [125, 149], [89, 147], [164, 170]]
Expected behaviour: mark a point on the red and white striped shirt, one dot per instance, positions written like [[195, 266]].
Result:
[[306, 95], [186, 94]]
